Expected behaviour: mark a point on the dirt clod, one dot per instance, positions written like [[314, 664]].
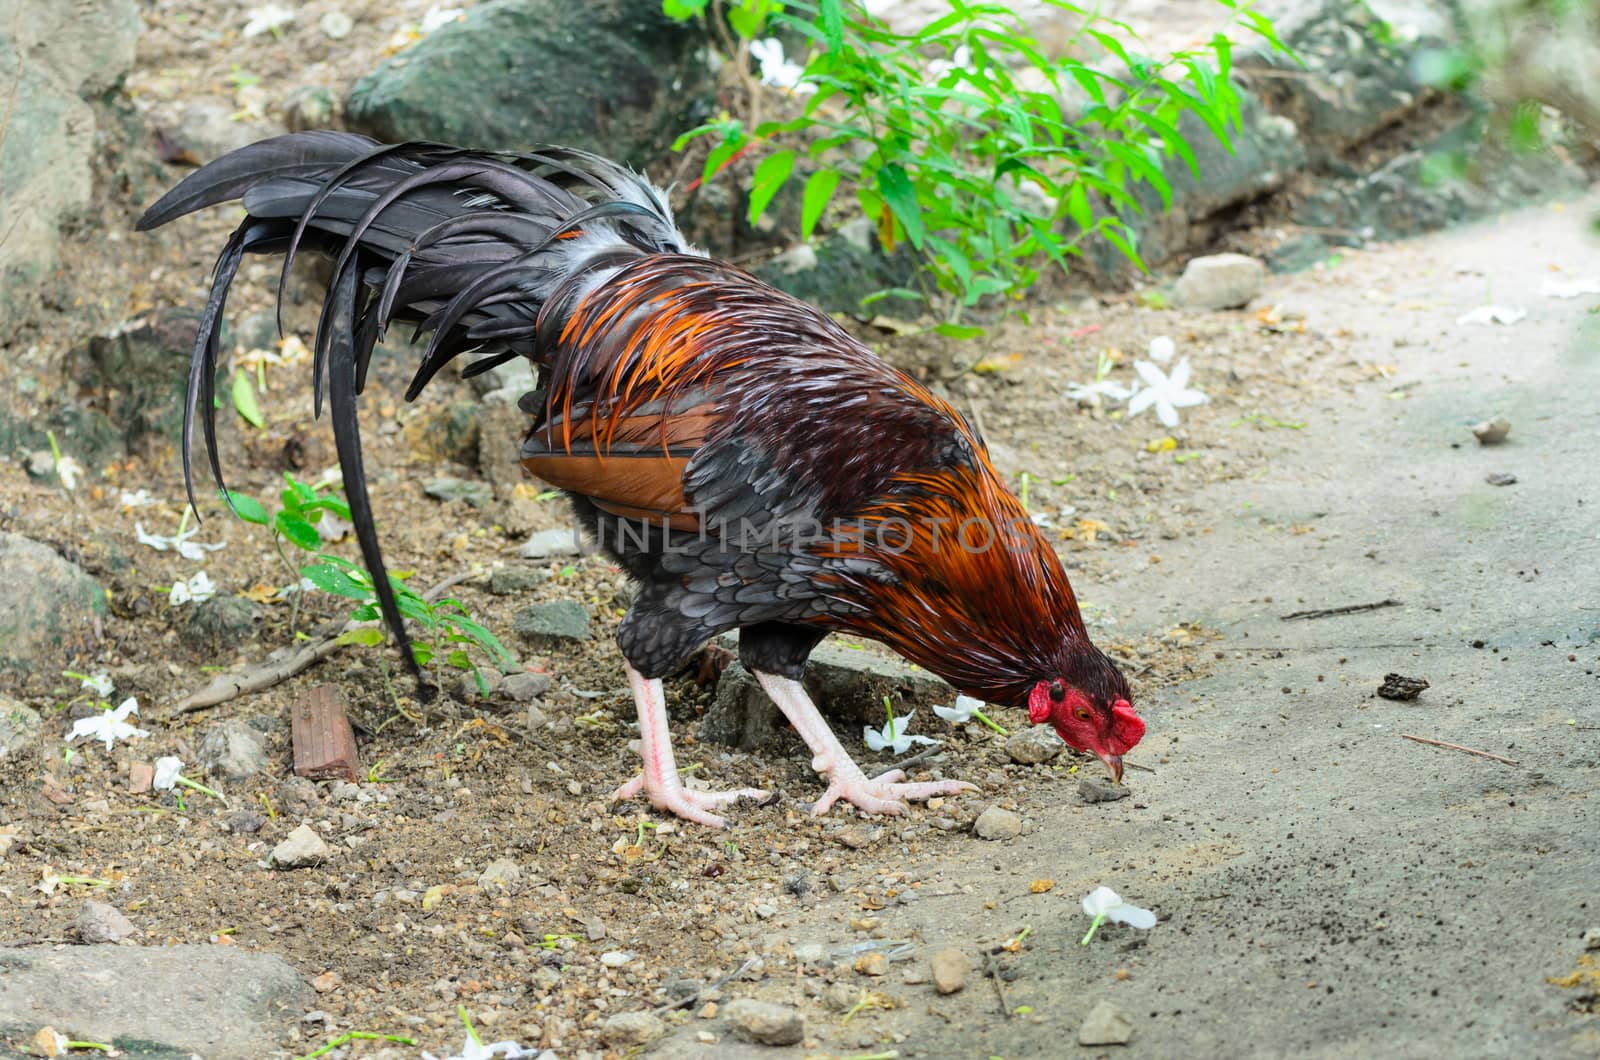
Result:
[[1398, 687]]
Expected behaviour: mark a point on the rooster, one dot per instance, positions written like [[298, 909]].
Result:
[[740, 455]]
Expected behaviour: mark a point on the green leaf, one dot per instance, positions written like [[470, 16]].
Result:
[[1078, 206], [244, 400], [246, 507], [832, 18], [895, 186], [717, 158], [682, 10], [770, 176], [422, 652], [459, 660], [331, 579], [368, 635], [300, 533], [819, 189], [958, 331]]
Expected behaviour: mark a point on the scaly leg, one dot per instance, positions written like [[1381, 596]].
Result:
[[845, 779], [659, 780]]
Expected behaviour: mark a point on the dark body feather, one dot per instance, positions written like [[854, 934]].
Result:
[[735, 450]]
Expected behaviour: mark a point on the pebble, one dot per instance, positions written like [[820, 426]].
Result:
[[501, 875], [1100, 789], [1105, 1025], [629, 1030], [1492, 432], [1033, 745], [525, 686], [950, 968], [840, 997], [615, 958], [872, 964], [302, 847], [20, 727], [995, 823], [243, 822], [1591, 939], [98, 922], [765, 1022], [508, 581], [555, 623], [544, 544], [336, 25], [141, 775], [477, 494], [1220, 281], [1500, 478], [234, 749]]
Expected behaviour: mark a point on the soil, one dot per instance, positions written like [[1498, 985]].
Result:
[[1324, 887]]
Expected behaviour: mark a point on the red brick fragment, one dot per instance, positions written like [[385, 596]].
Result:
[[140, 777], [324, 745]]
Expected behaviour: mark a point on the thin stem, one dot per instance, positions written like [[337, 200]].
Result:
[[1098, 919]]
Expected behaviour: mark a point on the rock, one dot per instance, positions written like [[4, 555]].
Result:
[[1591, 939], [311, 107], [98, 922], [629, 1030], [59, 58], [303, 847], [1399, 687], [1492, 432], [131, 365], [336, 25], [243, 822], [477, 494], [234, 749], [20, 728], [995, 823], [208, 129], [1500, 478], [534, 716], [1100, 789], [1220, 281], [508, 581], [42, 628], [847, 684], [553, 624], [141, 777], [526, 685], [450, 434], [220, 1002], [218, 627], [501, 876], [1033, 745], [874, 964], [545, 544], [1298, 254], [618, 78], [840, 270], [1105, 1025], [950, 968], [765, 1022], [839, 997]]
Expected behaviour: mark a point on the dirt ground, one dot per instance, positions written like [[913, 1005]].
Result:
[[1324, 886]]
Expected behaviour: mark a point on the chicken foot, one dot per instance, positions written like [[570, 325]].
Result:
[[884, 794], [659, 780]]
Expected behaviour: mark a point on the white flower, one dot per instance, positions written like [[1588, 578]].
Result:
[[776, 70], [267, 18], [893, 735], [68, 470], [108, 725], [1492, 314], [472, 1049], [100, 684], [168, 770], [962, 712], [1161, 349], [195, 550], [1103, 903], [137, 499], [437, 16], [1091, 393], [1570, 288], [199, 588], [960, 59], [1168, 393]]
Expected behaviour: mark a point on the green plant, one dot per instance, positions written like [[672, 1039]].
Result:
[[449, 632], [958, 139]]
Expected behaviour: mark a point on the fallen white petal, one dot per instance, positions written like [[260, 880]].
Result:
[[168, 769], [1161, 349], [1492, 314], [1570, 288]]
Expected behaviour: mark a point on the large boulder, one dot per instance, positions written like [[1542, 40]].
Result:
[[616, 77], [42, 627], [65, 56]]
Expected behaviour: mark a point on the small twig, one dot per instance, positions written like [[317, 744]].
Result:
[[999, 987], [916, 759], [1348, 609], [274, 670], [684, 1002], [1458, 747]]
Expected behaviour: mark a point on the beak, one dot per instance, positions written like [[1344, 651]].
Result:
[[1113, 766]]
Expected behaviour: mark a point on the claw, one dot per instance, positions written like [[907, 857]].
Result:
[[884, 794], [690, 805]]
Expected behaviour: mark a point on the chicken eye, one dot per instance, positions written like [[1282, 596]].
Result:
[[1058, 691], [1083, 714]]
